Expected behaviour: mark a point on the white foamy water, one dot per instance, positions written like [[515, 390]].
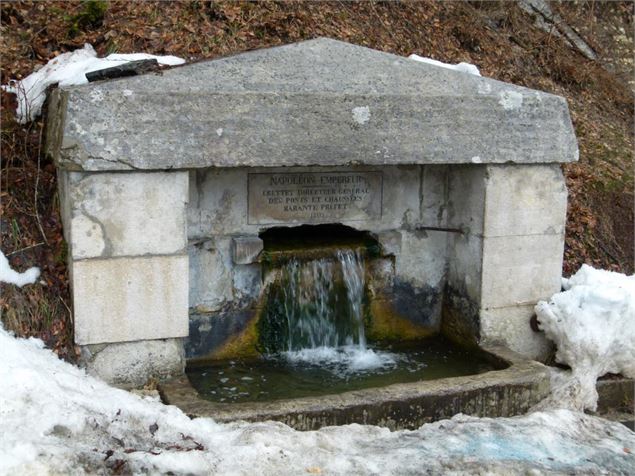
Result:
[[343, 360]]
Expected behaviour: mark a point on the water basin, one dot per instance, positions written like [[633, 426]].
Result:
[[321, 361], [506, 392], [325, 370]]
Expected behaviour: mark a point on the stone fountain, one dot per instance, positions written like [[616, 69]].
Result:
[[176, 186]]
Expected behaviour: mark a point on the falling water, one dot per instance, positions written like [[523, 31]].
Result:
[[322, 303], [312, 338]]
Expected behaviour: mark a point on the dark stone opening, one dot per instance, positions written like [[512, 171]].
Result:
[[303, 237]]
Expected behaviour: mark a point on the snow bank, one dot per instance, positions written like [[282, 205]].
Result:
[[593, 325], [54, 419], [68, 69], [462, 67], [8, 275]]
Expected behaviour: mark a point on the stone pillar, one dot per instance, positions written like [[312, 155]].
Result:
[[510, 255], [128, 263]]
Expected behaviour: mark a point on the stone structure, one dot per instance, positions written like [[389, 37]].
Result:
[[167, 180]]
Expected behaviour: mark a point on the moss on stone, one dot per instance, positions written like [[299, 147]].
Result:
[[273, 332], [383, 323], [243, 345]]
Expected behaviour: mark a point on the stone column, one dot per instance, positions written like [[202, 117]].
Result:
[[510, 255], [128, 263]]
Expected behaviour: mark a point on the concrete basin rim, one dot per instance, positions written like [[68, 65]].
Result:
[[180, 392]]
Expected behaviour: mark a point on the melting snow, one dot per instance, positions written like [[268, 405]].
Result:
[[68, 69], [54, 419], [462, 67], [593, 325], [10, 276]]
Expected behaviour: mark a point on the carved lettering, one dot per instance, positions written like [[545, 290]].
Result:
[[314, 197]]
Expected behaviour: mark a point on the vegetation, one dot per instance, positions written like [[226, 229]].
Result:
[[90, 16]]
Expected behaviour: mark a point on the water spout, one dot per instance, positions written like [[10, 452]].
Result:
[[322, 300]]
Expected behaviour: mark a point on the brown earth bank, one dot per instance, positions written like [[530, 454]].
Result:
[[499, 37]]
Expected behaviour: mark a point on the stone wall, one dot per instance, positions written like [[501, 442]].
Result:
[[478, 244], [223, 287], [128, 263], [510, 255]]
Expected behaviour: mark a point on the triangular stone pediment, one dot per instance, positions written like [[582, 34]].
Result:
[[317, 102]]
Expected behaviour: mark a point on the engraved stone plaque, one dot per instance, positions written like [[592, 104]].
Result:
[[314, 197]]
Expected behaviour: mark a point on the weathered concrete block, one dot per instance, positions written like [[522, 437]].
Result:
[[381, 272], [401, 201], [132, 364], [434, 191], [510, 254], [129, 299], [210, 274], [525, 200], [423, 258], [520, 270], [467, 187], [63, 189], [465, 265], [247, 281], [219, 204], [128, 214], [87, 238], [390, 241], [337, 91], [245, 249], [510, 326]]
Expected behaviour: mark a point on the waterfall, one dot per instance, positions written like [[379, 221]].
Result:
[[322, 301], [352, 265], [315, 314]]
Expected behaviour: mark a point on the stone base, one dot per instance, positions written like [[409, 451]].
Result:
[[132, 364], [509, 326]]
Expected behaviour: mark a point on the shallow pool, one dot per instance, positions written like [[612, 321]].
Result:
[[328, 370]]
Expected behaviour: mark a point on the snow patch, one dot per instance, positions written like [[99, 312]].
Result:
[[69, 69], [476, 160], [10, 276], [55, 419], [510, 100], [592, 323], [461, 67], [361, 115]]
